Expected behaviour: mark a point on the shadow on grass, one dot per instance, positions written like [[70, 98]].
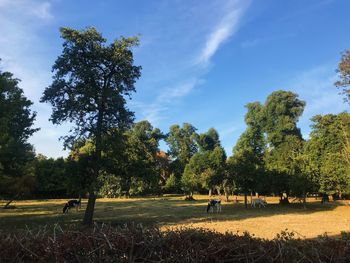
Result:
[[149, 212]]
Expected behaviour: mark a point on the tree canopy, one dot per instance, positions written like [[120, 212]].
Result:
[[16, 126], [90, 85]]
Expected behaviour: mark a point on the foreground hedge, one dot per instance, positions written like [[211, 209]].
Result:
[[136, 244]]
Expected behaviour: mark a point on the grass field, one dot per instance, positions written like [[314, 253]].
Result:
[[172, 211]]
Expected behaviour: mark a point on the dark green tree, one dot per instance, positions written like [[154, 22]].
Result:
[[208, 141], [90, 85], [182, 146], [16, 126], [246, 164], [142, 171], [326, 152], [281, 113], [51, 180], [206, 168]]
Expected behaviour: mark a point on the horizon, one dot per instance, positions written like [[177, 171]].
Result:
[[196, 69]]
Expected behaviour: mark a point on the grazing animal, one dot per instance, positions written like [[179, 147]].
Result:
[[71, 204], [214, 204], [259, 201]]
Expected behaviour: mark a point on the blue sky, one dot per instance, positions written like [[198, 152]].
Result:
[[202, 60]]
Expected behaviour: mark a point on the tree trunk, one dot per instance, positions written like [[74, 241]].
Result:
[[8, 204], [210, 192], [79, 200], [245, 200], [226, 194], [89, 212]]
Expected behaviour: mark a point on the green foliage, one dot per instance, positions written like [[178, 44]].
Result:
[[209, 140], [111, 185], [51, 179], [206, 168], [281, 113], [182, 146], [90, 85], [245, 167], [171, 184], [16, 154], [326, 152]]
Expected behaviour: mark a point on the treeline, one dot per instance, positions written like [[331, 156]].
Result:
[[112, 156], [270, 157]]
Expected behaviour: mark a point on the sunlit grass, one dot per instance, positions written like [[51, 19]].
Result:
[[172, 211]]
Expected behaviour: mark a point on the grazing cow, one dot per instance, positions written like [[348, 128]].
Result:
[[259, 201], [214, 204], [71, 204]]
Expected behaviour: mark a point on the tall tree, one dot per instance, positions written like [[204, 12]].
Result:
[[90, 84], [16, 126], [327, 152], [182, 146], [344, 75], [246, 164], [281, 113], [209, 140]]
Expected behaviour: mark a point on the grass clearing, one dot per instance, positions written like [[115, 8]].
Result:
[[172, 211]]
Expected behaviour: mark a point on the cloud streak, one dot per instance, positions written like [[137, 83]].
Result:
[[221, 32]]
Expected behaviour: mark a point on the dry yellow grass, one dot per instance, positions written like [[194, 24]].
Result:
[[172, 211]]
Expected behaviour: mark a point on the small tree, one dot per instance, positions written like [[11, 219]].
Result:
[[90, 84]]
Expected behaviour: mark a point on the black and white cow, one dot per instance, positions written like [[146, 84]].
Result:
[[71, 204], [214, 204]]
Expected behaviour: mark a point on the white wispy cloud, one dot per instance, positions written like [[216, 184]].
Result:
[[165, 100], [220, 33], [43, 11], [223, 31]]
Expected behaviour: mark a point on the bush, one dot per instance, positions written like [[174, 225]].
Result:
[[138, 244]]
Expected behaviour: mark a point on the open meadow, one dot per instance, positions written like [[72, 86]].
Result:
[[172, 211]]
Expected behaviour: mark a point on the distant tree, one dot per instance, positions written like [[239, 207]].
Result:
[[171, 184], [16, 126], [79, 168], [209, 140], [142, 171], [163, 166], [50, 177], [246, 164], [326, 153], [344, 75], [281, 113], [182, 146], [90, 84], [206, 168]]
